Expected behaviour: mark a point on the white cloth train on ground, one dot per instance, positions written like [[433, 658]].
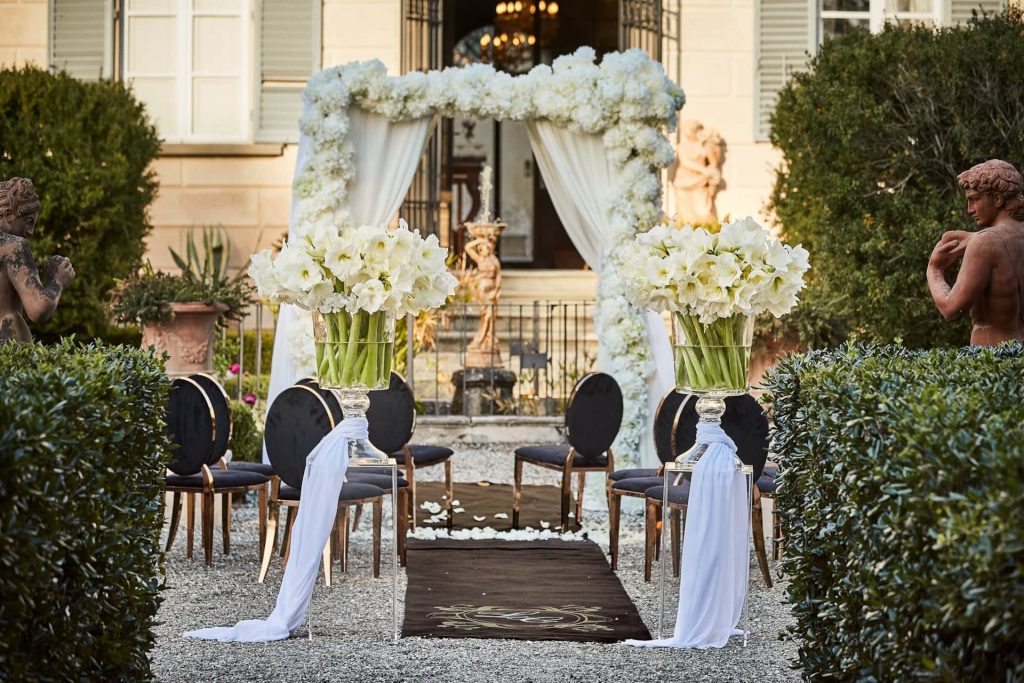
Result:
[[716, 551], [321, 485]]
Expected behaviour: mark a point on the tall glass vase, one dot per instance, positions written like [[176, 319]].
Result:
[[354, 353], [712, 363]]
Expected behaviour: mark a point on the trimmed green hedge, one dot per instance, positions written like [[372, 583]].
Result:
[[873, 136], [82, 449], [901, 502], [88, 148]]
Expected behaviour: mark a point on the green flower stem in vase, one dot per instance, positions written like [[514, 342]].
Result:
[[713, 358], [354, 350]]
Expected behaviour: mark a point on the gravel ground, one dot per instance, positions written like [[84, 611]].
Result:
[[352, 620]]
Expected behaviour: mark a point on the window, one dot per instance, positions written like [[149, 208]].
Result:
[[189, 62], [836, 17]]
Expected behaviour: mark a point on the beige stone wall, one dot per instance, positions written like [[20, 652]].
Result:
[[22, 33], [251, 196], [718, 79]]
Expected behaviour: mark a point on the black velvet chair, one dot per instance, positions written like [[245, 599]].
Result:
[[746, 424], [766, 487], [296, 422], [633, 483], [192, 420], [392, 417], [592, 421]]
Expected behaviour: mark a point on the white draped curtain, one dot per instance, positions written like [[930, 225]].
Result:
[[386, 156], [581, 181]]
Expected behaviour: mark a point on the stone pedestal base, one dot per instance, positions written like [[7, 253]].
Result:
[[482, 391]]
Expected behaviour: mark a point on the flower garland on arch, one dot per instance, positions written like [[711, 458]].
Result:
[[626, 98]]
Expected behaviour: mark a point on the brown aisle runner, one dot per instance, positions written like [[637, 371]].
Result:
[[538, 590], [490, 505]]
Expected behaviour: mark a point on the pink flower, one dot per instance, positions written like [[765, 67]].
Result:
[[235, 367], [250, 398]]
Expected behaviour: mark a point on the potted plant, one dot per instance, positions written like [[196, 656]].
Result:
[[179, 313]]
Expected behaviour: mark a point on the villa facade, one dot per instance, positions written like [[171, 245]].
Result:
[[222, 80]]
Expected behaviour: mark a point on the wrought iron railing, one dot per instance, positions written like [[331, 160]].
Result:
[[545, 345]]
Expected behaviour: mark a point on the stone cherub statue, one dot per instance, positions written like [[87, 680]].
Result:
[[20, 286], [696, 175], [990, 284], [483, 348]]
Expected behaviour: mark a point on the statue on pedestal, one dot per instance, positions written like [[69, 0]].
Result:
[[990, 284], [696, 175], [483, 350], [21, 289]]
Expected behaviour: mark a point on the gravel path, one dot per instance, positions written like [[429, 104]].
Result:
[[351, 620]]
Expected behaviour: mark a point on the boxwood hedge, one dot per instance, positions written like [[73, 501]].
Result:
[[82, 451], [901, 499]]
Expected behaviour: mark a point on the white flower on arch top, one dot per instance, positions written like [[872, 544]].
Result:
[[626, 98]]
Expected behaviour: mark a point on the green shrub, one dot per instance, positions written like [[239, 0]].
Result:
[[900, 499], [88, 148], [226, 353], [246, 437], [873, 137], [83, 449]]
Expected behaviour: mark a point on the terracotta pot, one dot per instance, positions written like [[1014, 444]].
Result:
[[188, 338]]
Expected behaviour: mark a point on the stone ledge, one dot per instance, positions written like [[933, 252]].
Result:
[[504, 429]]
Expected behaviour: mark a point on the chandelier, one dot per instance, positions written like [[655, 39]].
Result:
[[518, 26]]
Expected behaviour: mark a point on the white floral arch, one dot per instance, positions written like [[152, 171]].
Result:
[[363, 132]]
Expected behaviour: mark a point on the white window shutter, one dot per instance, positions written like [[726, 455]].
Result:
[[81, 39], [960, 11], [289, 53], [785, 34]]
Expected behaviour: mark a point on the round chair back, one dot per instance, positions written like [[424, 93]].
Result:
[[330, 398], [745, 423], [191, 424], [392, 415], [665, 420], [594, 414], [221, 413], [296, 422]]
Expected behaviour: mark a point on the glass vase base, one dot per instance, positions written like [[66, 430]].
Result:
[[710, 409]]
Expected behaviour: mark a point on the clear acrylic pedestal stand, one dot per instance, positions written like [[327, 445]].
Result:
[[391, 464], [674, 472]]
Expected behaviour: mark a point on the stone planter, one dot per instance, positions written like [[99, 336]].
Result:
[[188, 338]]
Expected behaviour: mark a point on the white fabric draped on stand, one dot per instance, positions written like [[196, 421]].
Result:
[[386, 157], [321, 485], [580, 181], [716, 552]]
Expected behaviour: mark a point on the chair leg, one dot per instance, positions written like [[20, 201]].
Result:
[[676, 540], [172, 530], [287, 540], [757, 522], [450, 491], [581, 480], [517, 492], [614, 512], [225, 521], [356, 517], [410, 476], [378, 514], [207, 535], [566, 497], [650, 538], [190, 514], [262, 498], [326, 557], [268, 547], [343, 532], [402, 523]]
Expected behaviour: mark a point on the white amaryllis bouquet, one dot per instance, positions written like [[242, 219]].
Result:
[[357, 282], [714, 283]]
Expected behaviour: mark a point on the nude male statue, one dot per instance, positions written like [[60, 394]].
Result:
[[990, 284], [20, 286]]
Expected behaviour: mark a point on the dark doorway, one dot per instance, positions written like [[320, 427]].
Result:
[[535, 237]]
